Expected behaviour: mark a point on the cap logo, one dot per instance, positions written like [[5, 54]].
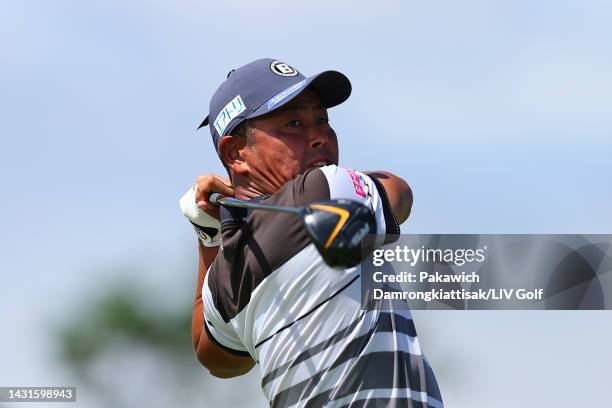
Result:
[[234, 108], [282, 69], [279, 97]]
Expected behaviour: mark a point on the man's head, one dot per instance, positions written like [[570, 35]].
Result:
[[269, 122]]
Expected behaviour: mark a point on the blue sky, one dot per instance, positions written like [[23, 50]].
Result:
[[499, 114]]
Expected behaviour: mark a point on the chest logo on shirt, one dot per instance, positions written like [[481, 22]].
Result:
[[357, 183]]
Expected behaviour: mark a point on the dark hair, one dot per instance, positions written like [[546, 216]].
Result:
[[245, 131]]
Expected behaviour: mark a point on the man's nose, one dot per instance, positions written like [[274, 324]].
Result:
[[318, 137]]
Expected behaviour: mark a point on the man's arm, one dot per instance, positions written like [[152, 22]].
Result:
[[219, 362], [398, 192], [206, 258]]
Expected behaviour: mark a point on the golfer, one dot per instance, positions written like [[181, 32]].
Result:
[[264, 294]]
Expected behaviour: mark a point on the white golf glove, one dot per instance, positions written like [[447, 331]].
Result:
[[207, 227]]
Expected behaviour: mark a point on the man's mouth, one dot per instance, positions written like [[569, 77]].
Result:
[[318, 163]]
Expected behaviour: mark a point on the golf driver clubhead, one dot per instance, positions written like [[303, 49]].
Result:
[[335, 227]]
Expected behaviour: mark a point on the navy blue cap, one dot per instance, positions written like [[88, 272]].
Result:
[[263, 86]]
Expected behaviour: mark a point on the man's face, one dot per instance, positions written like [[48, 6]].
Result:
[[289, 141]]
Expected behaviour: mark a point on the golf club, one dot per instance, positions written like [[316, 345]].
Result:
[[336, 227]]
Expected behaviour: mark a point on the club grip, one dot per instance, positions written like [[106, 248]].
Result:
[[214, 198]]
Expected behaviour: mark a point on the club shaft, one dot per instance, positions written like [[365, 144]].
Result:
[[216, 198]]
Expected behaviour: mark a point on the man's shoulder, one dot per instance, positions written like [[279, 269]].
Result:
[[323, 183], [304, 189]]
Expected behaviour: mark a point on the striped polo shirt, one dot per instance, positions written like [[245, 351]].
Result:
[[270, 295]]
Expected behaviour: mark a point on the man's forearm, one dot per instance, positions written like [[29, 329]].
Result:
[[206, 258]]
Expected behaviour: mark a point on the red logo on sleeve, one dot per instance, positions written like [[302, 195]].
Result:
[[357, 183]]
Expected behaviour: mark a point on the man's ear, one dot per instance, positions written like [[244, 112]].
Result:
[[230, 150]]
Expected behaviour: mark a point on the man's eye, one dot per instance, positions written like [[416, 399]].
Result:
[[323, 120], [295, 123]]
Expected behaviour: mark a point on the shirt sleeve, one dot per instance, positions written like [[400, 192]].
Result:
[[218, 331], [342, 183]]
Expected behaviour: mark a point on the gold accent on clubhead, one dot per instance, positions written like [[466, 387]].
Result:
[[342, 213]]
